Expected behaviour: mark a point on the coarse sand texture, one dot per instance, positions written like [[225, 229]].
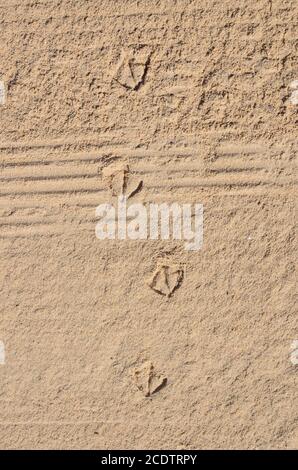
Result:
[[122, 343]]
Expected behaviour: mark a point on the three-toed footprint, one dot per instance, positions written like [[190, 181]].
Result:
[[148, 380], [166, 279], [121, 181]]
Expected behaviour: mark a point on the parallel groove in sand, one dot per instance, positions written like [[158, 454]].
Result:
[[76, 176], [87, 185]]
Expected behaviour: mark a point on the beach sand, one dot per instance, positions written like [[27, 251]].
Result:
[[141, 344]]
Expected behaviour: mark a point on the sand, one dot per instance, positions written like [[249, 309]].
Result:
[[135, 344]]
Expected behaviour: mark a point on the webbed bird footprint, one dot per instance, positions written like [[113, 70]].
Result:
[[166, 279], [120, 181], [132, 69], [147, 380]]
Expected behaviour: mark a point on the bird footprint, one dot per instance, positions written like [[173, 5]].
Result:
[[132, 70], [166, 279], [147, 380], [120, 181]]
